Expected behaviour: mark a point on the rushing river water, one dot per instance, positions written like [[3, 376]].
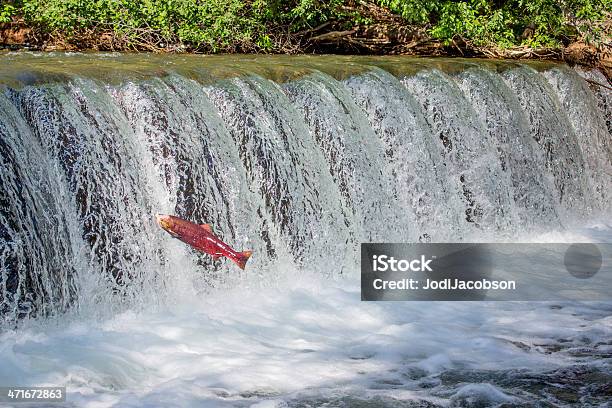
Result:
[[298, 159]]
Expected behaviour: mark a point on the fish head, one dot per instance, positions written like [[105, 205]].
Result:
[[166, 222]]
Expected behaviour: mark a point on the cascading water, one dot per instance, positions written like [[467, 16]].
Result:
[[410, 153], [499, 110], [355, 158], [194, 168], [588, 124], [89, 142], [467, 149], [551, 129], [299, 160], [299, 204], [37, 247]]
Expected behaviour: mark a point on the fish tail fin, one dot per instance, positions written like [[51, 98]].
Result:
[[242, 259]]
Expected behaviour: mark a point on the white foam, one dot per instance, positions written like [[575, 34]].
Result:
[[264, 345]]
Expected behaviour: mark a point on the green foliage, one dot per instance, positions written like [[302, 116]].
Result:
[[257, 25], [216, 24], [310, 13], [6, 12], [413, 11], [212, 25], [511, 22]]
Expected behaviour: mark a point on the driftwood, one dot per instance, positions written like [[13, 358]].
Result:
[[332, 36]]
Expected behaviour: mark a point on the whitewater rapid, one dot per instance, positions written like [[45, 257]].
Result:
[[307, 340]]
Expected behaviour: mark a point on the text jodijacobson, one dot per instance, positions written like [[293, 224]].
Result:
[[444, 284]]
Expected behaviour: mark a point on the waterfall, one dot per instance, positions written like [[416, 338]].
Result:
[[506, 125], [355, 157], [298, 203], [422, 180], [36, 256], [551, 129], [467, 149], [588, 123], [299, 162], [193, 168]]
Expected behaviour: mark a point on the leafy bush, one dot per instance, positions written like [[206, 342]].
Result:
[[6, 12], [509, 23], [263, 25], [213, 25]]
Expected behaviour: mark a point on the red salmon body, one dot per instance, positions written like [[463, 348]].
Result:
[[201, 238]]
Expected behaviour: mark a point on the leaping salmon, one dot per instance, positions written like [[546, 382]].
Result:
[[202, 238]]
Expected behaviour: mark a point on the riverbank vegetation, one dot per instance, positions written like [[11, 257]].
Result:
[[472, 27]]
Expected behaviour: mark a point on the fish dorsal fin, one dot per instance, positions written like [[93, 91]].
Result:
[[207, 227]]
